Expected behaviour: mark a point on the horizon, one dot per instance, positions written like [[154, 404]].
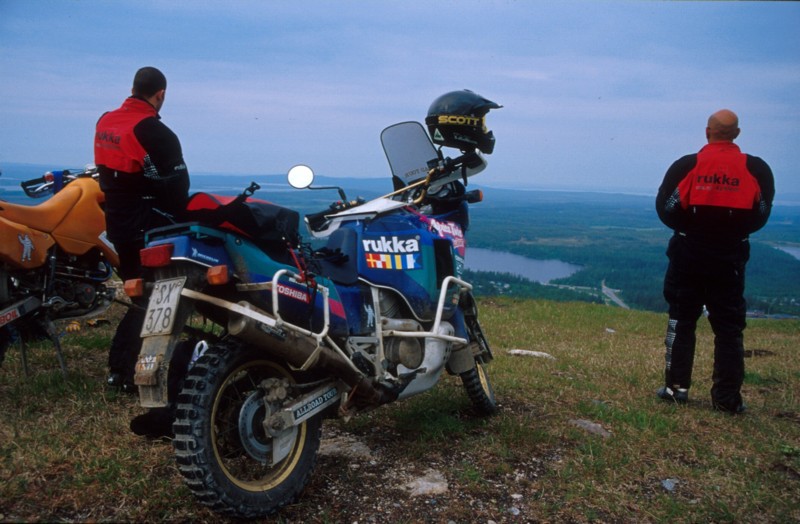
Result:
[[789, 199]]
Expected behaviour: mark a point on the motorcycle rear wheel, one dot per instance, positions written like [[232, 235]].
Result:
[[220, 445], [479, 389]]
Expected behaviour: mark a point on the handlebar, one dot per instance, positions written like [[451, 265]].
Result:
[[54, 181]]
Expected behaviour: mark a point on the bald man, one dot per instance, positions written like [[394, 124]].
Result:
[[712, 200]]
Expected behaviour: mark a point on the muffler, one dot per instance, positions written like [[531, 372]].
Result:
[[296, 349]]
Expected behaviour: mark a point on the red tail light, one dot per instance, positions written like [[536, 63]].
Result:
[[156, 256]]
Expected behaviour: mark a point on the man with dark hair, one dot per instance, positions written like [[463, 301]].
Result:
[[713, 200], [146, 185]]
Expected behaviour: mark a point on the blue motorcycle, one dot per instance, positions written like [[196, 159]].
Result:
[[370, 311]]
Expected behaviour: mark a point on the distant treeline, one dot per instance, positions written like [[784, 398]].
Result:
[[619, 239]]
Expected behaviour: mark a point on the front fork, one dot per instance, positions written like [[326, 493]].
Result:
[[464, 358]]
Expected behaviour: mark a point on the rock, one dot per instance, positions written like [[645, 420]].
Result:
[[345, 446], [669, 484], [432, 483], [591, 427], [528, 353]]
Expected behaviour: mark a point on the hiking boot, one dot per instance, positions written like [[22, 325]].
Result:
[[677, 395], [156, 423], [738, 410]]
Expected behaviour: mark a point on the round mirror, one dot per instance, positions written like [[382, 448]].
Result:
[[300, 176]]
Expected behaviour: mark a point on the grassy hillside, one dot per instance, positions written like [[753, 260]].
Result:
[[580, 437]]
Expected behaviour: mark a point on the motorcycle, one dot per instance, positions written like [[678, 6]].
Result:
[[375, 315], [54, 259]]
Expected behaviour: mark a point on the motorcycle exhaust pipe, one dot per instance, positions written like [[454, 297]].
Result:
[[296, 349]]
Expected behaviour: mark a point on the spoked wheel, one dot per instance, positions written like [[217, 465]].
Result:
[[227, 458], [479, 389]]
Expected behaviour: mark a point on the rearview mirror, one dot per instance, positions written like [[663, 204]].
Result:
[[300, 176]]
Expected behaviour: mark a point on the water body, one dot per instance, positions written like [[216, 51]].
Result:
[[794, 251], [542, 271]]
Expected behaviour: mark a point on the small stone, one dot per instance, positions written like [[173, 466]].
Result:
[[591, 427], [669, 484], [528, 353]]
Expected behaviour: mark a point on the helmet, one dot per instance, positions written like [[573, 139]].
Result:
[[457, 119]]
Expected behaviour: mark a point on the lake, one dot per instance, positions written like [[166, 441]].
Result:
[[794, 251], [542, 271]]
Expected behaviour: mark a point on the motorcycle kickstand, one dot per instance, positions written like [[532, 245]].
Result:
[[23, 351], [50, 329]]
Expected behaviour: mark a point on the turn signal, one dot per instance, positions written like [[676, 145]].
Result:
[[217, 275], [156, 256], [134, 287]]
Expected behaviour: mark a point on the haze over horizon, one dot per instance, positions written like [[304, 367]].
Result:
[[597, 95]]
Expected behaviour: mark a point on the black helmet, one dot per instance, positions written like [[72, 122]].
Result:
[[457, 119]]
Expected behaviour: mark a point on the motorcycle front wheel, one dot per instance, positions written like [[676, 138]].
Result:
[[221, 447], [479, 389]]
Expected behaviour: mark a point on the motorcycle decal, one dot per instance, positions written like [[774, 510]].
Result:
[[391, 245], [370, 312], [202, 256], [27, 247], [337, 308], [296, 294], [315, 403], [9, 316], [409, 261], [450, 230]]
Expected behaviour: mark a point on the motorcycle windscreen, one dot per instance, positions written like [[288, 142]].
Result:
[[408, 150]]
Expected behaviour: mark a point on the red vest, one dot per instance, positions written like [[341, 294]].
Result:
[[720, 179], [115, 145]]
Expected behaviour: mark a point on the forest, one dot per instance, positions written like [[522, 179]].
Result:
[[620, 240]]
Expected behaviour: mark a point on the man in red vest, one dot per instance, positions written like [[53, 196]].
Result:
[[713, 200], [146, 185]]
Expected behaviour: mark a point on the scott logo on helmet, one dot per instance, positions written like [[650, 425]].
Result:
[[459, 120]]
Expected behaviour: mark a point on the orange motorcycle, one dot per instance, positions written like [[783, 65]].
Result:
[[55, 260]]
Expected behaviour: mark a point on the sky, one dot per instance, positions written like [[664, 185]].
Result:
[[596, 95]]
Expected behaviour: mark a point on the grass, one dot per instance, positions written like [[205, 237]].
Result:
[[66, 453]]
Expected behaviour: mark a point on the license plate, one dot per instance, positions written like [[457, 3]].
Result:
[[162, 307]]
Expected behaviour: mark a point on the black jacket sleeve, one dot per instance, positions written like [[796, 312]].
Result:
[[165, 172], [763, 174], [668, 200]]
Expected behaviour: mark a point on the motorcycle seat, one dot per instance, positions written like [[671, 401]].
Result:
[[47, 215]]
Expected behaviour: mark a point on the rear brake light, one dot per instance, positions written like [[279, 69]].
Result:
[[156, 256], [134, 287], [217, 275]]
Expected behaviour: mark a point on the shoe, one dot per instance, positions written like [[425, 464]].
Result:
[[116, 381], [156, 423], [677, 395], [739, 410]]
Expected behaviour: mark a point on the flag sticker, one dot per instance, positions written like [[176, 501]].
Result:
[[389, 261]]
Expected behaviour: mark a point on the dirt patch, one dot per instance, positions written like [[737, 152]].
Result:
[[371, 478]]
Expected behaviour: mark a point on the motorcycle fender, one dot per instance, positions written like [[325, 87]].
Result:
[[21, 246], [461, 360], [152, 366], [152, 370]]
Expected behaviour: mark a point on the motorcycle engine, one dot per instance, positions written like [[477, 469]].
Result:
[[78, 287]]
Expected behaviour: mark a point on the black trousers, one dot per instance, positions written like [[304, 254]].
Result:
[[692, 282], [127, 342]]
